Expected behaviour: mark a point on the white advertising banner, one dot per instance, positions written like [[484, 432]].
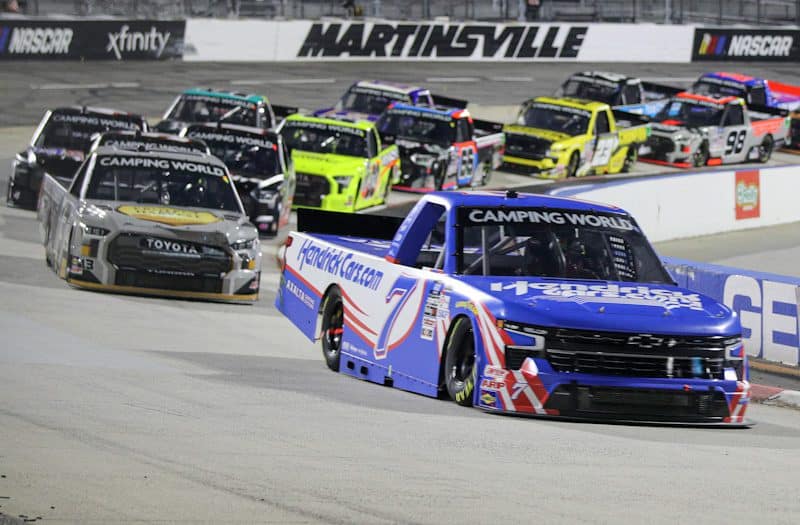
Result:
[[256, 40]]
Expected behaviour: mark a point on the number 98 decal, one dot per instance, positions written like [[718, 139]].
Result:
[[735, 142], [467, 163]]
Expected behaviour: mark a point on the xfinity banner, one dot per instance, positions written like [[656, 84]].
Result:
[[91, 39], [746, 45]]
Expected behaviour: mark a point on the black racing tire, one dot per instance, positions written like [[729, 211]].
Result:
[[765, 149], [630, 158], [460, 363], [332, 328], [700, 157], [572, 165], [486, 173]]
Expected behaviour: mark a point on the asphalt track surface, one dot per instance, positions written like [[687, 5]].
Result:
[[117, 409]]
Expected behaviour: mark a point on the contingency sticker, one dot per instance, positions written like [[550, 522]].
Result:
[[171, 216], [437, 306]]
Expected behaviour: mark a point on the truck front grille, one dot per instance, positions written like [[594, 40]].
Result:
[[526, 147], [310, 189], [140, 252]]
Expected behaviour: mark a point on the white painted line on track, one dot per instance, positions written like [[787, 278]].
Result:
[[99, 85], [512, 79], [452, 79], [284, 81]]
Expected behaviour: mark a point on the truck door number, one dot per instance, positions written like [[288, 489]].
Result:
[[602, 154], [735, 142]]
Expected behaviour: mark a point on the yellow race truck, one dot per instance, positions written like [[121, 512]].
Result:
[[568, 137]]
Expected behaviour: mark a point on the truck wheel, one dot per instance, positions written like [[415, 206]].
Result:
[[765, 149], [460, 367], [700, 157], [332, 328], [572, 166], [630, 158]]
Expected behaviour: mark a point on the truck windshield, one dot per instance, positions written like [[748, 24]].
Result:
[[76, 132], [418, 126], [565, 244], [370, 100], [719, 89], [244, 154], [192, 108], [153, 180], [562, 119], [320, 137], [598, 90], [690, 114]]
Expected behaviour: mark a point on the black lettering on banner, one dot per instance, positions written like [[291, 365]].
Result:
[[422, 32], [357, 39], [403, 31], [58, 39], [379, 37]]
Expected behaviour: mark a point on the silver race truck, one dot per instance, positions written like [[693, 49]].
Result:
[[152, 223], [697, 130]]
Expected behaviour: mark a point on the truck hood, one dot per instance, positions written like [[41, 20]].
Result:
[[326, 163], [409, 147], [195, 224], [552, 136], [671, 127], [606, 306]]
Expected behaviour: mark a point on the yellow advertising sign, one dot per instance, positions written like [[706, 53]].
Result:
[[171, 216]]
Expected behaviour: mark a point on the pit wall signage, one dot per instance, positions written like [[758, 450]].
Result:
[[55, 39], [746, 45], [767, 305], [403, 40], [747, 193]]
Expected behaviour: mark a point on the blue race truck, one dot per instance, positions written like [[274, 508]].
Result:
[[514, 303]]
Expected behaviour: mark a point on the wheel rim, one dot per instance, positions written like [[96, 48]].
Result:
[[334, 331], [464, 359]]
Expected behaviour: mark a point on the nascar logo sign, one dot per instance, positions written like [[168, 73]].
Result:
[[746, 45]]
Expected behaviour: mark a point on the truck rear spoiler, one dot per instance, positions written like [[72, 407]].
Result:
[[654, 91], [441, 100], [487, 125], [633, 119], [348, 224], [767, 110], [281, 112]]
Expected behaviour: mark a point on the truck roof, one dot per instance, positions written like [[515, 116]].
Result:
[[745, 80], [236, 128], [603, 75], [231, 95], [94, 110], [390, 86], [435, 110], [706, 98], [510, 199], [205, 158], [578, 103], [361, 124]]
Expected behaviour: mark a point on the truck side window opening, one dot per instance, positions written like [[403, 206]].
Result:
[[462, 130], [757, 96], [734, 116], [601, 124], [631, 94], [431, 254]]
